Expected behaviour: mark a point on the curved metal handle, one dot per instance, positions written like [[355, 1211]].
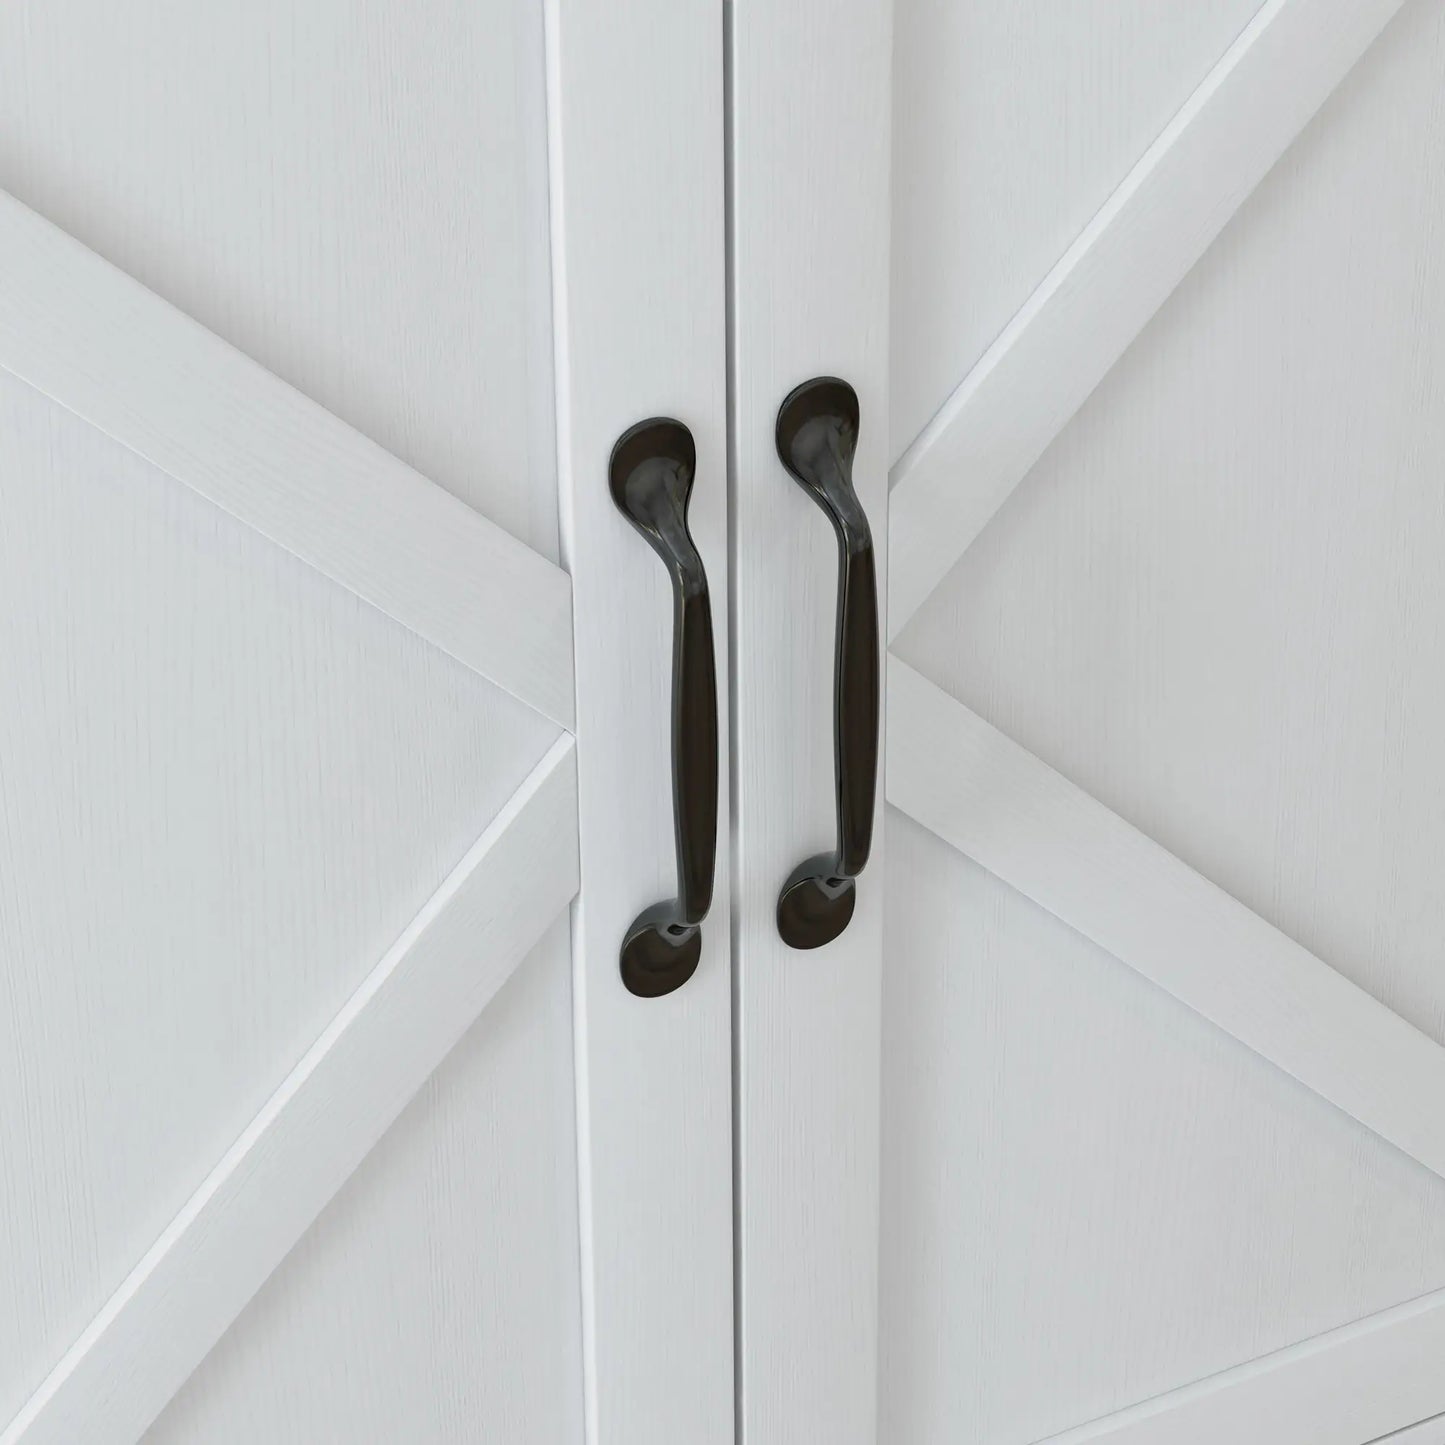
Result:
[[650, 476], [817, 434]]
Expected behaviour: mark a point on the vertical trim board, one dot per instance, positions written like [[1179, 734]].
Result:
[[809, 231], [635, 151]]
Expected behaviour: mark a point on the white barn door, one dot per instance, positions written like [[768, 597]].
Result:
[[324, 1114], [1163, 1013], [1161, 1082]]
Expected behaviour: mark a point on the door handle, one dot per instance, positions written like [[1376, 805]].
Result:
[[817, 434], [650, 476]]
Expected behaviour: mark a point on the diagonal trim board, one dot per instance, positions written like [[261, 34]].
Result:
[[319, 1124], [1015, 816], [97, 342], [1115, 276], [1422, 1432], [1340, 1388]]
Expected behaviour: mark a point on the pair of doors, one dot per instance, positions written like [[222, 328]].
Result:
[[337, 755]]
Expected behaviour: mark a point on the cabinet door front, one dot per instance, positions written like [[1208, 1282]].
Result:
[[325, 1112], [1162, 1059]]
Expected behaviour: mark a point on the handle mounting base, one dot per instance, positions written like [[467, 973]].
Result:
[[816, 903]]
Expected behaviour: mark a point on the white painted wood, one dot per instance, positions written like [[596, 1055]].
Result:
[[226, 786], [1214, 606], [1002, 807], [809, 153], [81, 332], [1011, 126], [1339, 1389], [352, 192], [435, 1299], [241, 188], [319, 1124], [636, 117], [1216, 603], [1427, 1432], [1078, 322], [1090, 1195]]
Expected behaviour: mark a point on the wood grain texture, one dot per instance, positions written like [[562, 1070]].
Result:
[[1216, 604], [1091, 1195], [319, 1124], [435, 1299], [809, 286], [1011, 126], [999, 805], [83, 333], [226, 785], [351, 192], [1114, 277], [1336, 1390], [636, 114]]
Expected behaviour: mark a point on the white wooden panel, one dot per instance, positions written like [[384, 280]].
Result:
[[318, 1124], [635, 106], [1088, 309], [1427, 1432], [809, 235], [1091, 1196], [1011, 126], [104, 347], [353, 192], [1217, 605], [1337, 1389], [226, 787], [435, 1299], [1002, 807]]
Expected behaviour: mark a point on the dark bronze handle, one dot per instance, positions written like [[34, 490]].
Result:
[[650, 475], [817, 435]]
